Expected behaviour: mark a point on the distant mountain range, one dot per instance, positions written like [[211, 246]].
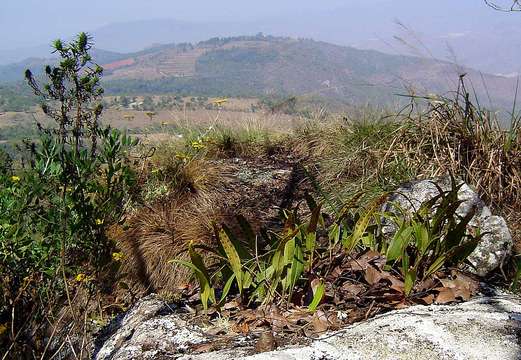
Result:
[[14, 72], [464, 32], [263, 65]]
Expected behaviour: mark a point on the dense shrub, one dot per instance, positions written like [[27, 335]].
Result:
[[53, 211]]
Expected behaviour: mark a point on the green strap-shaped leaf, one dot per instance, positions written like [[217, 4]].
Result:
[[410, 279], [293, 255], [226, 288], [399, 242], [360, 228], [457, 234], [317, 297], [243, 253], [233, 257], [423, 238], [197, 266], [435, 266], [463, 251]]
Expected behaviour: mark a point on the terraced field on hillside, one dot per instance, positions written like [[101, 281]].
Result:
[[169, 63]]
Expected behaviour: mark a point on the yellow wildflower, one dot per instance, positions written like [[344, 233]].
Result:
[[182, 156], [84, 278], [3, 328], [15, 178], [118, 256], [99, 222], [197, 144], [220, 101]]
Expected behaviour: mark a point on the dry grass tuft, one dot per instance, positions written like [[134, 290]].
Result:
[[471, 142], [447, 136], [161, 230], [161, 233]]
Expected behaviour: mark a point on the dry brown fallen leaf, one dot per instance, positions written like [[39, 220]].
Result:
[[353, 289], [428, 299], [396, 284], [277, 320], [234, 304], [242, 328], [445, 295], [294, 316], [320, 322], [462, 286], [372, 275], [204, 348], [426, 284], [363, 261]]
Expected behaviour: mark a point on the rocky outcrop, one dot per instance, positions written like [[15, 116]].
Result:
[[484, 328], [151, 328], [496, 243]]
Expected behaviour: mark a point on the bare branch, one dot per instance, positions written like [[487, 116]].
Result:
[[515, 6]]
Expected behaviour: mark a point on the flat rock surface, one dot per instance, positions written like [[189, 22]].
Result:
[[484, 328]]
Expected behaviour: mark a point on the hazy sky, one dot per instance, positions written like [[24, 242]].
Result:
[[29, 22], [33, 22]]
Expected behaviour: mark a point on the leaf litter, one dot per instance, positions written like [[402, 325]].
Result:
[[356, 289]]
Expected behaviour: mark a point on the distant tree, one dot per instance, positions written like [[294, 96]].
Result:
[[148, 104], [150, 115], [124, 101]]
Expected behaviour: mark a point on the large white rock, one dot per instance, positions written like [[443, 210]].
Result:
[[151, 328], [497, 242], [484, 328]]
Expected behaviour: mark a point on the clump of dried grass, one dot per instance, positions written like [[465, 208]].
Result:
[[160, 231], [464, 139], [248, 141], [471, 142]]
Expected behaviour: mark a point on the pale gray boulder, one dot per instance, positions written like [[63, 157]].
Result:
[[148, 330], [483, 328], [496, 244]]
